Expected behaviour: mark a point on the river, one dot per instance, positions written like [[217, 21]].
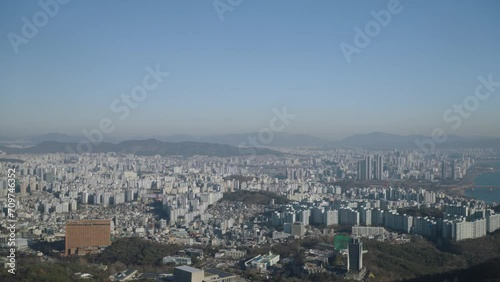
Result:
[[484, 194]]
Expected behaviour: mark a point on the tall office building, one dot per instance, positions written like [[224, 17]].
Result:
[[369, 167], [83, 234], [444, 170], [361, 170], [365, 168], [379, 167], [453, 170], [355, 255]]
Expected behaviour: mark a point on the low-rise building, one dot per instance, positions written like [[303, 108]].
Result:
[[178, 260], [231, 254], [190, 274], [262, 262]]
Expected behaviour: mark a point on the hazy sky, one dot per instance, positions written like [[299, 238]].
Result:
[[226, 76]]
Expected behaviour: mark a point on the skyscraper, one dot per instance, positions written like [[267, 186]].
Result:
[[444, 170], [379, 167], [365, 168], [361, 170], [453, 170], [355, 255], [369, 167]]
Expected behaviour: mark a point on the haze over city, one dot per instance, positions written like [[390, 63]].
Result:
[[250, 141]]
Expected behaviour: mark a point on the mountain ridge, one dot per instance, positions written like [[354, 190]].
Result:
[[382, 140], [144, 147], [372, 140]]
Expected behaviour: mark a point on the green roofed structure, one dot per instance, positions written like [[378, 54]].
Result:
[[340, 242]]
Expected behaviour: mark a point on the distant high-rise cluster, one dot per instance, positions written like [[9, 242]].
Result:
[[234, 201], [454, 169], [295, 174], [371, 168]]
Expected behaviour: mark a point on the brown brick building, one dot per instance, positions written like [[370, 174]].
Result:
[[82, 235]]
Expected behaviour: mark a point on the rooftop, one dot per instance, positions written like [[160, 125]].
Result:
[[220, 273], [188, 269]]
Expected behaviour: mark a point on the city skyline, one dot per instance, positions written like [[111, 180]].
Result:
[[227, 75], [238, 140]]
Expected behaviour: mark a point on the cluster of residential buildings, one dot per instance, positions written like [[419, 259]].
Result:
[[60, 184], [181, 200]]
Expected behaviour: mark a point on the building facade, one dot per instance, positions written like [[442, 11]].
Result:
[[84, 234]]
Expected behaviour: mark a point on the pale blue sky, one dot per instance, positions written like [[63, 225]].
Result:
[[227, 76]]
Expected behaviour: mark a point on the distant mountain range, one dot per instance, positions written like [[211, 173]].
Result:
[[374, 140], [381, 140], [280, 139], [145, 147]]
